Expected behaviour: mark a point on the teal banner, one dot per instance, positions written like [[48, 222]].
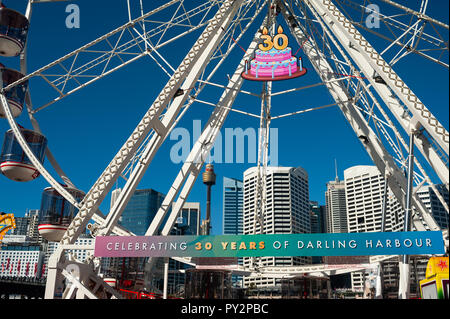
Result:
[[348, 244]]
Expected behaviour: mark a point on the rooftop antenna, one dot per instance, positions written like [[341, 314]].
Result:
[[335, 168]]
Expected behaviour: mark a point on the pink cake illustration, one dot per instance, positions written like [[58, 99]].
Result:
[[273, 60]]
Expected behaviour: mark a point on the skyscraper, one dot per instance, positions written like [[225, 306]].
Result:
[[188, 221], [318, 219], [287, 212], [364, 188], [318, 224], [140, 210], [232, 206], [335, 207], [434, 205]]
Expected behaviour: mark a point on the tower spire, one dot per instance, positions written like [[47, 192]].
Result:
[[335, 168]]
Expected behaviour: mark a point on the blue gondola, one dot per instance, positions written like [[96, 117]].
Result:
[[14, 163], [56, 213], [13, 32], [15, 95]]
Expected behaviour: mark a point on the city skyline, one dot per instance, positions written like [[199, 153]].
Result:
[[312, 140]]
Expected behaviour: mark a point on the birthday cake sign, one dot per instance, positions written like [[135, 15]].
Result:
[[273, 60]]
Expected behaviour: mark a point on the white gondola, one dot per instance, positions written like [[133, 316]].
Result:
[[14, 163], [13, 32], [112, 282], [15, 95], [56, 213]]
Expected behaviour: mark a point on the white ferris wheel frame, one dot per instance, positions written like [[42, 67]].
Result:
[[136, 154]]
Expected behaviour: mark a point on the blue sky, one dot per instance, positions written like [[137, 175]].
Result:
[[86, 129]]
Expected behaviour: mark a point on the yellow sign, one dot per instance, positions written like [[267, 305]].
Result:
[[436, 265], [7, 222], [436, 284]]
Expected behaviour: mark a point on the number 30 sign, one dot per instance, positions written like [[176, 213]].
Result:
[[279, 41]]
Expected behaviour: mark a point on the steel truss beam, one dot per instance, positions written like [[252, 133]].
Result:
[[342, 27], [188, 174], [114, 50], [434, 156], [140, 148], [420, 34], [150, 121], [410, 124], [346, 102], [157, 139]]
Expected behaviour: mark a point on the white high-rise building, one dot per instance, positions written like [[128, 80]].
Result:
[[364, 191], [434, 205], [287, 212], [336, 211], [364, 188]]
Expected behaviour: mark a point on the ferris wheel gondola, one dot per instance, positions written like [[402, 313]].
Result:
[[13, 32], [14, 163], [16, 95], [56, 213]]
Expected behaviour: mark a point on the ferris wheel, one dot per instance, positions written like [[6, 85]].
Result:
[[386, 116]]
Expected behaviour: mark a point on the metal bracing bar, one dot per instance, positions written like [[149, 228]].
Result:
[[303, 111], [399, 38], [417, 14], [343, 29], [231, 109], [224, 87], [167, 120], [78, 285], [391, 21], [382, 159], [90, 44]]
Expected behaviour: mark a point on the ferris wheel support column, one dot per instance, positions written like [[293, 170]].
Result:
[[150, 121], [404, 286], [369, 140], [368, 59], [167, 125], [191, 168], [382, 159]]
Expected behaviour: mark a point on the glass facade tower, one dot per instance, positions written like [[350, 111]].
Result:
[[140, 210], [232, 206]]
